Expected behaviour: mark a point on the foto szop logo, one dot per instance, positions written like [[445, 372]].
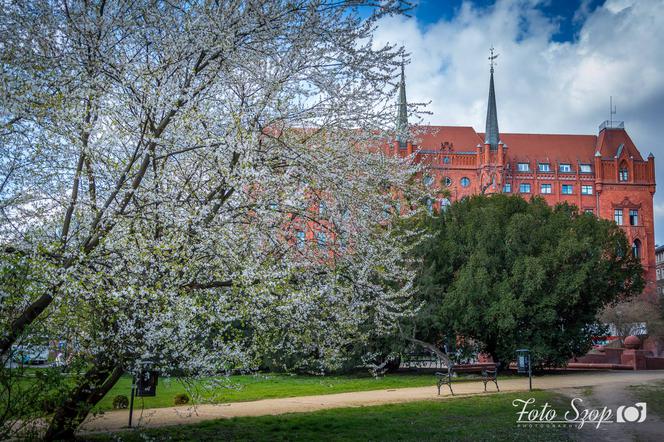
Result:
[[530, 414]]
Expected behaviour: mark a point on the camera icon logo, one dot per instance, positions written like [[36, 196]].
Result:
[[637, 413]]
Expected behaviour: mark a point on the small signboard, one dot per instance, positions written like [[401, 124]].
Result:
[[523, 363], [146, 384]]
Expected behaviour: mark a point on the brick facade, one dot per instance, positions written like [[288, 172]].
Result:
[[603, 173]]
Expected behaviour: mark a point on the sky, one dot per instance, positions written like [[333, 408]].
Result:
[[559, 63]]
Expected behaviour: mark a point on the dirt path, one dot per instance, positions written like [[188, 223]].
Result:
[[157, 417]]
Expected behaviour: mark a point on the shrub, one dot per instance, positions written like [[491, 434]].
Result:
[[120, 401], [181, 399]]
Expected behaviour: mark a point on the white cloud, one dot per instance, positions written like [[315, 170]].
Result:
[[542, 85]]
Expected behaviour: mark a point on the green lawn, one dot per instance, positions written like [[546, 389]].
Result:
[[264, 386], [652, 394], [486, 418]]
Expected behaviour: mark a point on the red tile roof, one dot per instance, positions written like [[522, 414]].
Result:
[[531, 147], [463, 138], [550, 147], [611, 139]]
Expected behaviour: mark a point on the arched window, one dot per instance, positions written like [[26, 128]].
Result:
[[321, 239], [636, 248], [444, 203], [429, 203], [623, 173]]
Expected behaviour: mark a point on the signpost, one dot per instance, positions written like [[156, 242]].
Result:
[[144, 386], [523, 365]]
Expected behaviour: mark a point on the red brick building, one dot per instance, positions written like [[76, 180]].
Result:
[[604, 174]]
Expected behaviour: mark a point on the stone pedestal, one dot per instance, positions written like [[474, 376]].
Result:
[[635, 358]]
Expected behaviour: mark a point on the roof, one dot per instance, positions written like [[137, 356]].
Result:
[[612, 143], [569, 148], [492, 136], [551, 147], [463, 138]]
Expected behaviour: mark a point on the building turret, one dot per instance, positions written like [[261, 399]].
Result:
[[402, 113], [491, 135]]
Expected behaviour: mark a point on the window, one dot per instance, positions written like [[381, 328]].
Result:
[[524, 188], [465, 182], [429, 205], [633, 217], [658, 274], [564, 167], [623, 175], [428, 180], [343, 241], [585, 168], [321, 239], [544, 167], [507, 188], [567, 189], [299, 235], [545, 188], [446, 160], [523, 167], [386, 211], [589, 211], [618, 216], [448, 181], [322, 208], [636, 248], [586, 190], [444, 203]]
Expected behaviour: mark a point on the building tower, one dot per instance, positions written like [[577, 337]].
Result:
[[492, 159], [402, 113], [491, 136]]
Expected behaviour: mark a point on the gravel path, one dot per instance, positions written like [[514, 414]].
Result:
[[158, 417]]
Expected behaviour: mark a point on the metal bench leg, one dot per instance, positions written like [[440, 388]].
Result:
[[439, 389], [497, 388], [450, 385]]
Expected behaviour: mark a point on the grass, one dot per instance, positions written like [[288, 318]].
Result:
[[243, 388], [652, 394], [486, 418]]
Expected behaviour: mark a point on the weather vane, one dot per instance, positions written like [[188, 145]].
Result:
[[492, 57]]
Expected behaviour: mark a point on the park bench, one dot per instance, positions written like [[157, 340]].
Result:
[[445, 378]]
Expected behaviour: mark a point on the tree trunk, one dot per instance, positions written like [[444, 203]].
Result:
[[442, 356], [69, 415], [22, 322]]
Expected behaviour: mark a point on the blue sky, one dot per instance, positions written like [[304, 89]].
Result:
[[559, 63], [568, 14]]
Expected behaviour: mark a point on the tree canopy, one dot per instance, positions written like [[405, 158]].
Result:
[[506, 273], [190, 186]]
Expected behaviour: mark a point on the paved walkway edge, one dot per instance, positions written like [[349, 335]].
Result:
[[159, 417]]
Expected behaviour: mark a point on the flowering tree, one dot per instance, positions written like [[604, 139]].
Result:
[[193, 186]]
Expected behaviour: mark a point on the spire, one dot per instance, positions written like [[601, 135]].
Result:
[[402, 115], [491, 136]]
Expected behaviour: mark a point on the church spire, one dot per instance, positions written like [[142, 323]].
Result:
[[491, 136], [402, 114]]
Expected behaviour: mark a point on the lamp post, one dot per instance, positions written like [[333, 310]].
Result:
[[523, 365]]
